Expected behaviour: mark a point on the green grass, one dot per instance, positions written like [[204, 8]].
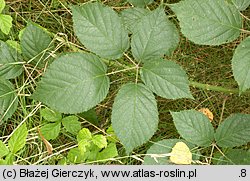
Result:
[[204, 64]]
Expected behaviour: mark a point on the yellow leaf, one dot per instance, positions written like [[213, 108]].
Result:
[[181, 154], [208, 113]]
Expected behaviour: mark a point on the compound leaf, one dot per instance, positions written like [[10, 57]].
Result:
[[100, 29], [241, 4], [132, 17], [9, 68], [51, 131], [155, 36], [8, 100], [18, 139], [35, 45], [194, 126], [71, 124], [241, 65], [234, 131], [208, 22], [134, 115], [140, 3], [73, 83], [166, 78], [5, 23]]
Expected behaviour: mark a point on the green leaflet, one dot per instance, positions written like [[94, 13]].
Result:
[[50, 115], [5, 23], [155, 36], [241, 4], [166, 78], [2, 5], [8, 100], [100, 29], [134, 115], [208, 22], [160, 148], [235, 157], [234, 131], [140, 3], [241, 65], [100, 141], [18, 139], [71, 124], [73, 83], [51, 131], [9, 68], [132, 17], [84, 134], [108, 153], [3, 150], [76, 156], [194, 127], [36, 44]]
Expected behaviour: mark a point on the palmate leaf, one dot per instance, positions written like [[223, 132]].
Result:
[[132, 16], [100, 29], [134, 115], [241, 4], [194, 127], [241, 65], [234, 131], [36, 44], [166, 78], [9, 68], [155, 36], [73, 83], [140, 3], [208, 22], [8, 100]]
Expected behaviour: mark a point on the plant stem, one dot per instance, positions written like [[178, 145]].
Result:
[[216, 88], [191, 83]]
